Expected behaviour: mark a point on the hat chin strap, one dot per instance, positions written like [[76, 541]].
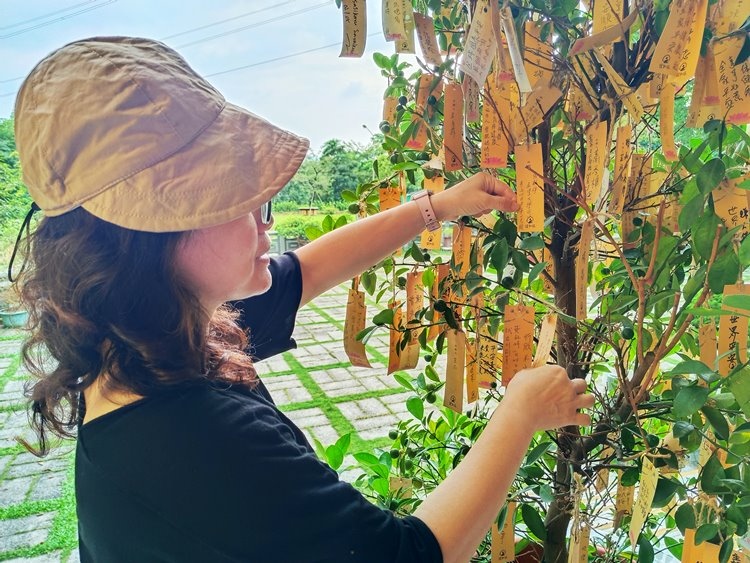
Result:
[[24, 226]]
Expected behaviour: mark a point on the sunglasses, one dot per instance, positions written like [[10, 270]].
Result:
[[266, 213]]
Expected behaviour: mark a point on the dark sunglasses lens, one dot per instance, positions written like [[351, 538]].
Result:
[[265, 213]]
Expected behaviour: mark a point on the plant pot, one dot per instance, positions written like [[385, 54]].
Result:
[[14, 319]]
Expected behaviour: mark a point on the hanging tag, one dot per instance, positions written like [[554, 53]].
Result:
[[427, 42], [455, 365], [537, 54], [545, 340], [582, 268], [453, 127], [394, 350], [471, 99], [461, 257], [390, 197], [708, 343], [518, 340], [701, 107], [356, 318], [642, 506], [480, 46], [596, 160], [607, 14], [538, 103], [579, 545], [488, 354], [393, 20], [623, 500], [414, 304], [403, 486], [672, 210], [495, 146], [688, 546], [389, 109], [406, 43], [355, 28], [549, 288], [729, 15], [504, 541], [666, 123], [472, 371], [733, 331], [616, 30], [731, 205], [602, 476], [442, 273], [624, 92], [506, 18], [435, 184], [431, 240], [677, 50], [623, 152], [703, 553], [530, 188]]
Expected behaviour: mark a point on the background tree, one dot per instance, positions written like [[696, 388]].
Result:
[[637, 246]]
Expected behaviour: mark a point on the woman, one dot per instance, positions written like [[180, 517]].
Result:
[[157, 202]]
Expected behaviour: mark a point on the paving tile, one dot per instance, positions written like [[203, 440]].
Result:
[[54, 557], [314, 423], [287, 389], [17, 424], [27, 464], [4, 363], [339, 382], [14, 386], [271, 365], [8, 347], [74, 557], [48, 486], [14, 491]]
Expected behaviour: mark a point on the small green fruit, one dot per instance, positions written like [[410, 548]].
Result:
[[394, 453], [432, 100], [403, 101], [440, 306], [385, 127], [393, 434], [408, 464], [637, 221], [507, 282], [394, 158], [353, 208], [430, 397], [627, 333]]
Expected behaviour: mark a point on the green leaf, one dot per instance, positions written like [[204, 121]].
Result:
[[502, 515], [533, 521], [499, 256], [536, 270], [431, 373], [703, 230], [712, 472], [727, 546], [705, 533], [709, 177], [737, 301], [349, 195], [717, 421], [334, 456], [645, 550], [428, 277], [369, 281], [724, 271], [538, 451], [534, 242], [684, 517], [384, 318], [739, 385], [735, 514], [682, 428], [744, 253], [340, 222], [381, 60], [312, 232], [691, 367], [688, 400], [416, 407], [327, 225]]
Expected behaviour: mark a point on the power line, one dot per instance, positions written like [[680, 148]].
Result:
[[226, 20], [61, 18], [253, 25], [45, 16], [283, 57]]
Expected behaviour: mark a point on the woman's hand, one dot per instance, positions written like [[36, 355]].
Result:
[[474, 196], [546, 398]]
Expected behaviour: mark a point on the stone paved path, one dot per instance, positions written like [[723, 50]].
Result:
[[315, 385]]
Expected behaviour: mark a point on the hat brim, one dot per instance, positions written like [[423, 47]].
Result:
[[232, 167]]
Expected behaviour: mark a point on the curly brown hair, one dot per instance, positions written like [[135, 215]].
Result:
[[103, 299]]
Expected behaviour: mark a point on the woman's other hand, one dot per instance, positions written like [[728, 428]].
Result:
[[474, 196], [546, 398]]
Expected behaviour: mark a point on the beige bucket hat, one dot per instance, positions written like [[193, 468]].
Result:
[[124, 128]]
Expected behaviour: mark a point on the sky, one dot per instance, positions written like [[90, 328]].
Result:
[[315, 94]]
